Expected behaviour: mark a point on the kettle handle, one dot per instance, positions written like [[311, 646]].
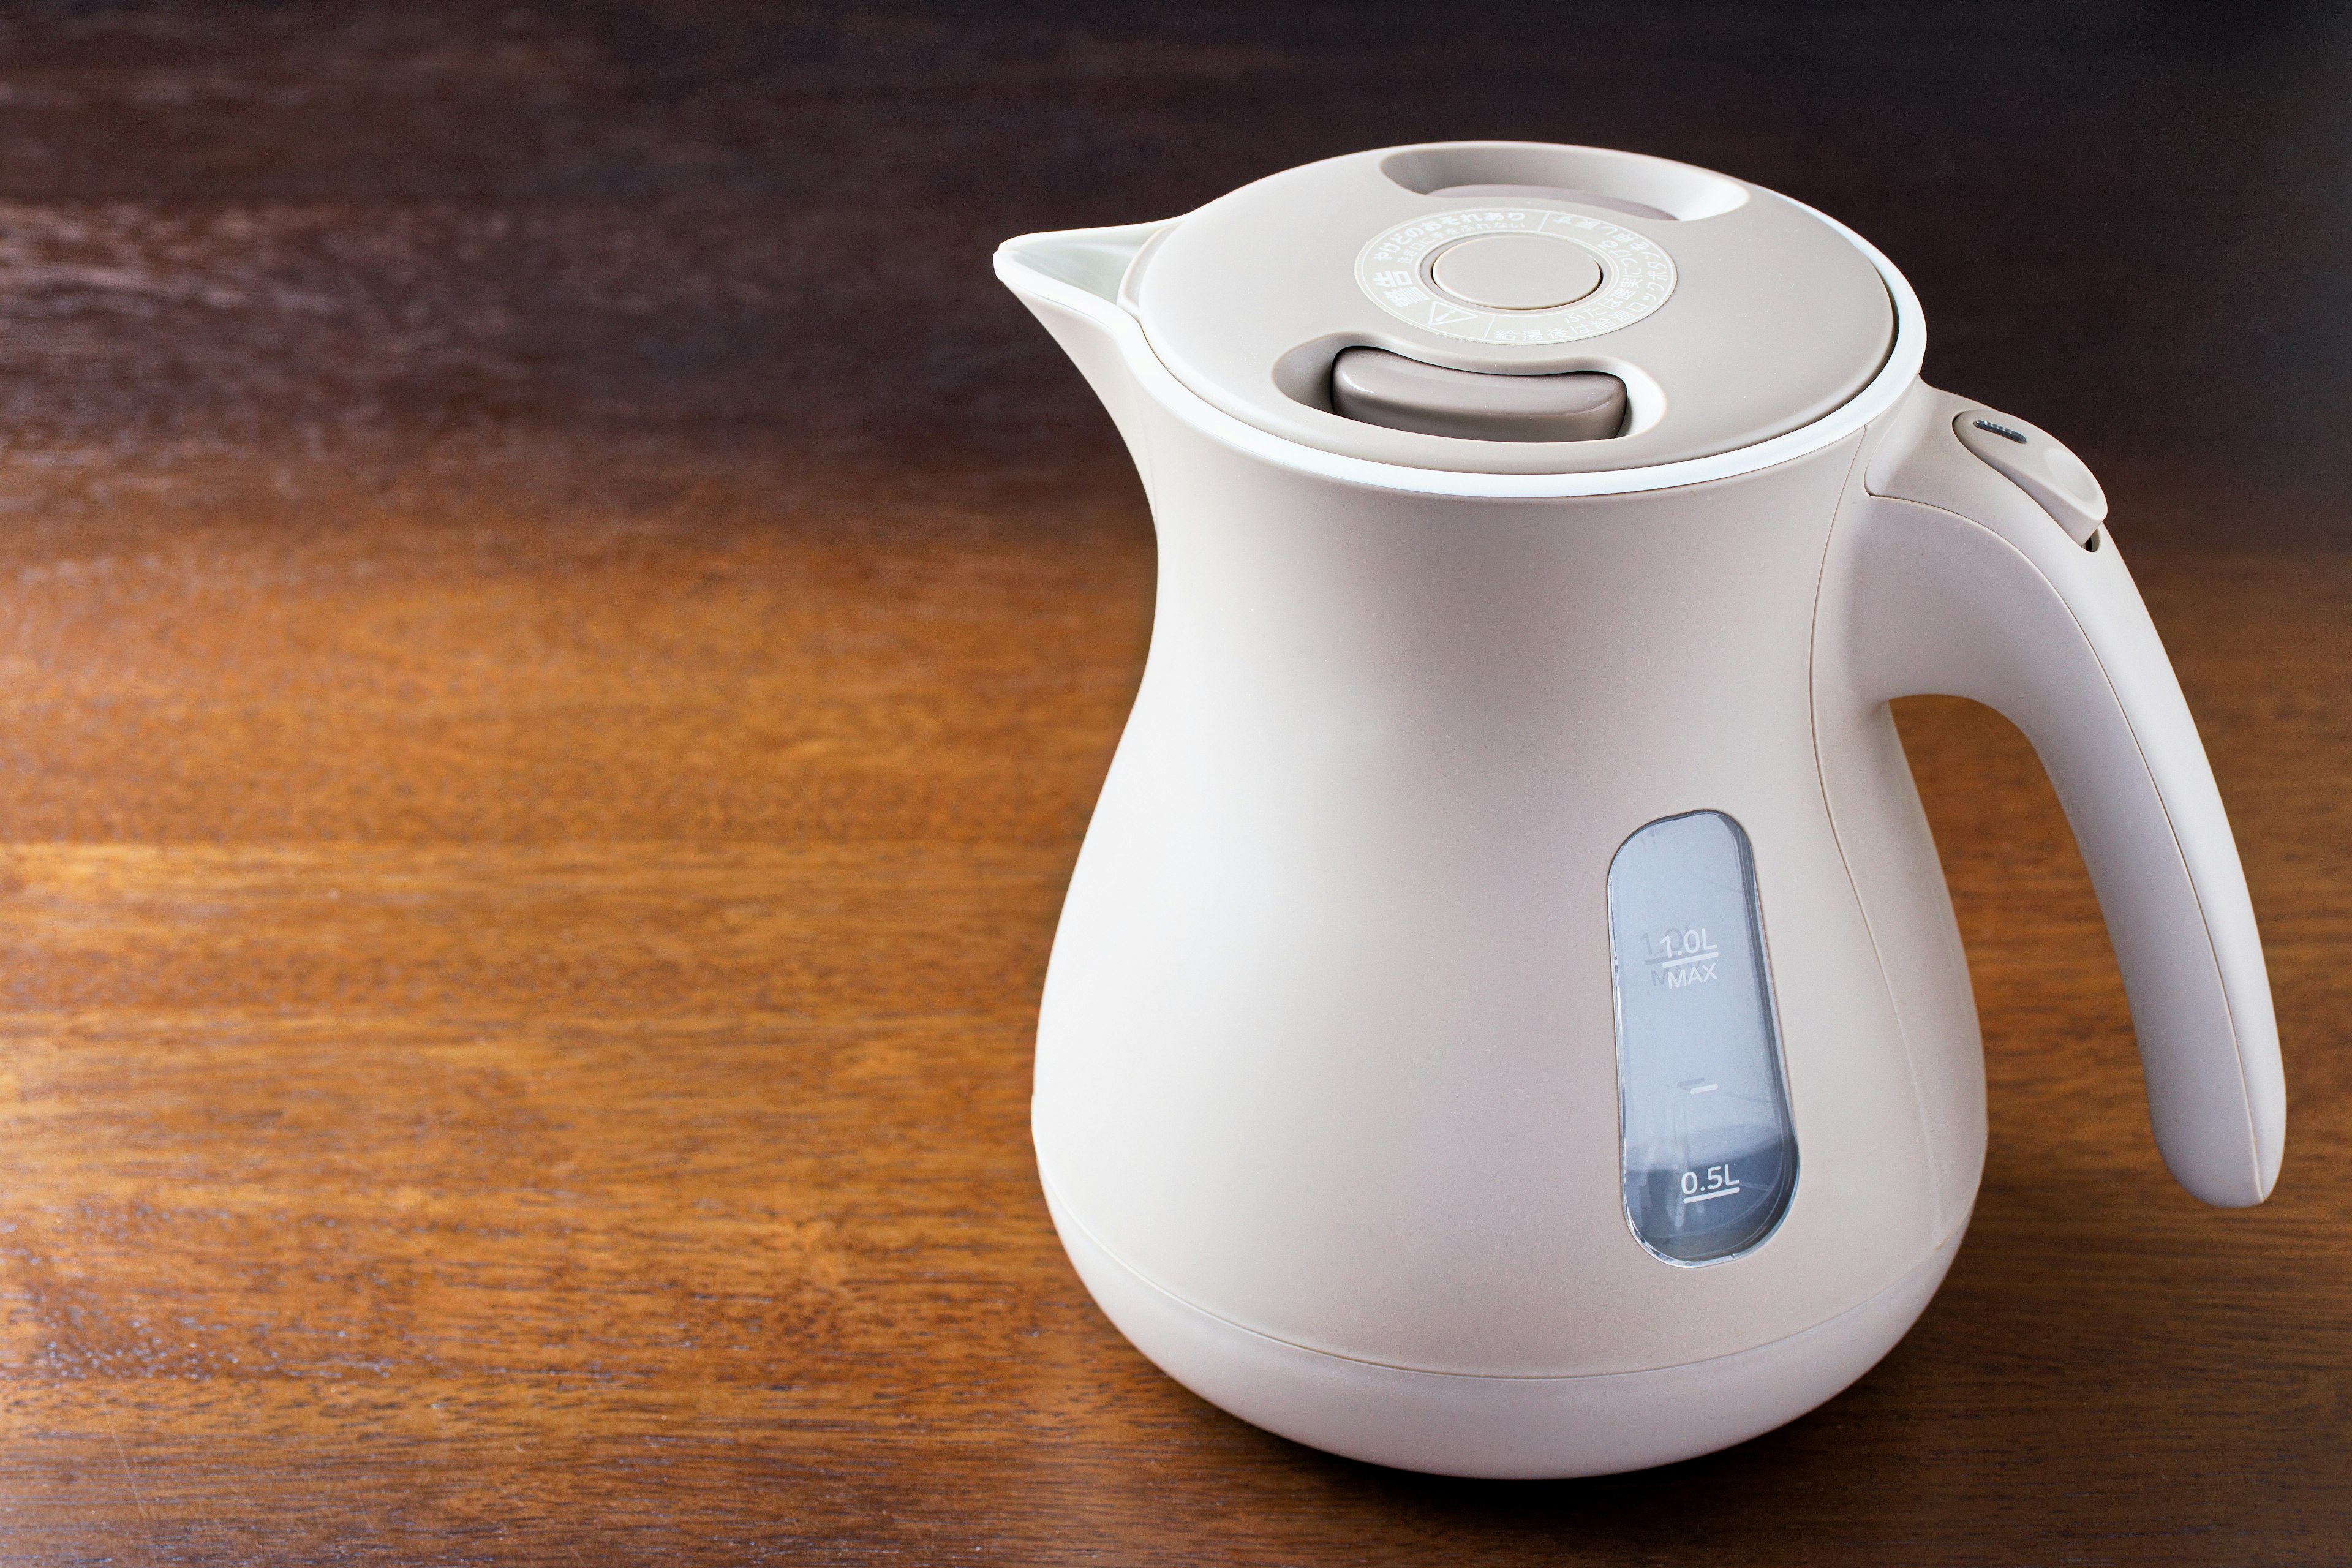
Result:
[[1951, 575]]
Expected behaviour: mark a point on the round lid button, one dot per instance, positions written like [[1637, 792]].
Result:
[[1515, 272]]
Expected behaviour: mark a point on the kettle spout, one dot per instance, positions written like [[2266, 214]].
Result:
[[1094, 259], [1073, 281]]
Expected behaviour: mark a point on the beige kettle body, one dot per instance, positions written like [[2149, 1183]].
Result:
[[1507, 1018]]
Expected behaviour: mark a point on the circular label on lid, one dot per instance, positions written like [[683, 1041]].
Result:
[[1394, 272]]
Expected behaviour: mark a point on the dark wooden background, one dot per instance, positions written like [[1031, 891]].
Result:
[[558, 633]]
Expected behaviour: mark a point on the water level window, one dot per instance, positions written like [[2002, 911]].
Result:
[[1710, 1155]]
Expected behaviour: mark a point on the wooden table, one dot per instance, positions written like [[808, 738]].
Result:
[[560, 635]]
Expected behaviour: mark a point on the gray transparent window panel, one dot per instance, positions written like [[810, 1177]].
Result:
[[1710, 1157]]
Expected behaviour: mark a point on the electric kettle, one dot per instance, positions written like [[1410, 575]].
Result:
[[1507, 1018]]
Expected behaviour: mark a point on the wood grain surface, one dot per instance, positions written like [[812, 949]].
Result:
[[558, 634]]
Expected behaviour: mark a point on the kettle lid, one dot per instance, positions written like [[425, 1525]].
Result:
[[1729, 314]]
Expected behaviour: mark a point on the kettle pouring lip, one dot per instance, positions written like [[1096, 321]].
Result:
[[1094, 260], [1084, 272]]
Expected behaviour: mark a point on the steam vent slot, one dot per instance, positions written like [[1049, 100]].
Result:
[[1377, 387], [1520, 171], [1625, 204]]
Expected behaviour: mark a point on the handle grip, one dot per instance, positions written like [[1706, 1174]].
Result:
[[1959, 582]]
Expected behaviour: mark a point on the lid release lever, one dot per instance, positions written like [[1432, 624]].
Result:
[[1376, 387], [2041, 464]]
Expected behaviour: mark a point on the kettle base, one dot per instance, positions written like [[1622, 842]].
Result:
[[1500, 1428]]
